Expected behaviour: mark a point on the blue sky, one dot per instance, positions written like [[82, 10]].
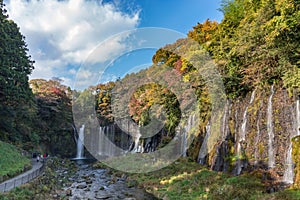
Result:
[[180, 15], [62, 34]]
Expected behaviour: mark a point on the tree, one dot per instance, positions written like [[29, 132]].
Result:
[[16, 105], [54, 123], [257, 43]]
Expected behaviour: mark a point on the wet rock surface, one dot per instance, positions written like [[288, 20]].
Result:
[[89, 183]]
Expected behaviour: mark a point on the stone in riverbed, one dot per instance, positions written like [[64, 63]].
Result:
[[101, 188], [102, 196], [80, 181], [121, 196], [69, 192], [71, 179], [81, 186]]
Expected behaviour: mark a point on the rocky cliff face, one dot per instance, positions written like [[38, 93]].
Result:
[[256, 132]]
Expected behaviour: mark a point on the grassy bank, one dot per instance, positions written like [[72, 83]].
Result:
[[11, 161], [47, 186], [189, 180]]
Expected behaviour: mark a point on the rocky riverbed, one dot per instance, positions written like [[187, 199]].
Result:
[[89, 183]]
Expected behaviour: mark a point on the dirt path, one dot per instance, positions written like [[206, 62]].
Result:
[[22, 178]]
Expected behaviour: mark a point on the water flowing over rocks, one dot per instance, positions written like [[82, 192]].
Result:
[[89, 183], [256, 133]]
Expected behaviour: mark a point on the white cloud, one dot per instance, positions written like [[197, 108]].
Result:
[[84, 74], [109, 49], [63, 33], [72, 71]]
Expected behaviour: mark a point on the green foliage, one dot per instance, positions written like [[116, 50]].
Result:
[[257, 43], [152, 94], [19, 194], [296, 160], [166, 57], [11, 161], [204, 32], [103, 102], [291, 79], [44, 187], [189, 180], [17, 108], [54, 123]]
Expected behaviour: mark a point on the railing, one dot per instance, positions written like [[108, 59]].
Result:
[[21, 179]]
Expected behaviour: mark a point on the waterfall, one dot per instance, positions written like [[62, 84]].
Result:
[[102, 141], [271, 156], [245, 119], [137, 147], [242, 135], [106, 146], [224, 124], [288, 176], [111, 142], [80, 142], [204, 150], [184, 143], [257, 138], [185, 135]]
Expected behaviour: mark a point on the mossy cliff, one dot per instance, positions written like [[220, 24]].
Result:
[[296, 159], [256, 132]]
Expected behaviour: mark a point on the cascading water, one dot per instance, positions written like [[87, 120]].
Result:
[[80, 142], [258, 135], [204, 150], [102, 141], [271, 156], [105, 145], [288, 176], [184, 143], [224, 125], [186, 131], [289, 171], [242, 135], [111, 136], [137, 148]]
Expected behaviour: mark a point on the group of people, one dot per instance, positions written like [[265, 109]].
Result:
[[41, 158]]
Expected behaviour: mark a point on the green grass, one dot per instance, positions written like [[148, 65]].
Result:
[[45, 186], [11, 161], [190, 181], [187, 180], [18, 194]]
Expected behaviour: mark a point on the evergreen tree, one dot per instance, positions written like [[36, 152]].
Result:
[[16, 105]]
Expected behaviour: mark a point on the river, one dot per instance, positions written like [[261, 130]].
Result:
[[89, 183]]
